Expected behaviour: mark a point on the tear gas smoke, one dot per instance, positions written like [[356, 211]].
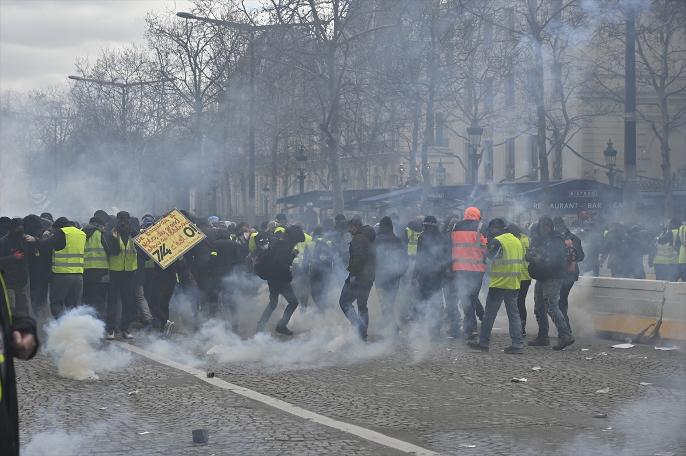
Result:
[[74, 342], [54, 442]]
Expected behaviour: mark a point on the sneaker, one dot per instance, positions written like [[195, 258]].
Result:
[[539, 342], [168, 329], [110, 335], [563, 342], [471, 337], [514, 350], [127, 335], [477, 346], [284, 330]]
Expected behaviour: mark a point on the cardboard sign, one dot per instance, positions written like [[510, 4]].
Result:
[[169, 238]]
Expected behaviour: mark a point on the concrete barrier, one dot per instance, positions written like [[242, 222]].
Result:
[[629, 307]]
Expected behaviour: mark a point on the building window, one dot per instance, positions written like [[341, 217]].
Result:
[[440, 139], [533, 157], [377, 181]]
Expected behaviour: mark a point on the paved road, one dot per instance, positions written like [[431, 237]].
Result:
[[449, 401]]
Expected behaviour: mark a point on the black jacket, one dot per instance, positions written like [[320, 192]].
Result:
[[434, 257], [547, 257], [362, 263], [281, 256], [391, 259], [16, 269], [575, 255], [9, 413]]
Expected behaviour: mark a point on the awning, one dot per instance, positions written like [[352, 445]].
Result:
[[324, 199]]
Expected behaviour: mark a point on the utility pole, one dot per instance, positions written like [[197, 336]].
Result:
[[630, 193]]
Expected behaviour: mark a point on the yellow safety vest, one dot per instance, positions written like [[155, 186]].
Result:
[[666, 253], [301, 247], [252, 245], [126, 260], [524, 239], [682, 249], [69, 260], [3, 289], [506, 270], [412, 240], [95, 256]]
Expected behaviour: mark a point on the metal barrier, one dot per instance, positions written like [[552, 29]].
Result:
[[640, 309]]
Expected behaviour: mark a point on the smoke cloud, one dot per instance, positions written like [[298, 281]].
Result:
[[74, 342]]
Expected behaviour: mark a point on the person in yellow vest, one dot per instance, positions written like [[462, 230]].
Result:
[[665, 256], [18, 339], [66, 283], [524, 278], [301, 282], [95, 267], [681, 245], [506, 254], [122, 263], [412, 232]]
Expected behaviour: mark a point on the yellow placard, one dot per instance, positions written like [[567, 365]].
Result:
[[169, 238]]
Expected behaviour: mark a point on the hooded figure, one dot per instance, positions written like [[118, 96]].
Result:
[[469, 267], [575, 255], [361, 275], [391, 265], [40, 261], [430, 271], [547, 257], [14, 261], [279, 258]]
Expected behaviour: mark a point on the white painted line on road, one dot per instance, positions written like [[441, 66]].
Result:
[[348, 428]]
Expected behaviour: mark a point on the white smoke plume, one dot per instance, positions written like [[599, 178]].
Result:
[[54, 442], [74, 342]]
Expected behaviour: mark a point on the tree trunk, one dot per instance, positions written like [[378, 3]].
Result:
[[274, 171], [667, 172], [539, 94], [412, 174], [332, 132]]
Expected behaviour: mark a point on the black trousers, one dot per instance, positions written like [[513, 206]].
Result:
[[276, 289], [318, 282], [521, 300], [158, 289], [122, 289], [95, 295], [567, 285], [351, 292]]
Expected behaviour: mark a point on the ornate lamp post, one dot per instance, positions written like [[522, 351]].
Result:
[[440, 173], [474, 132], [610, 154]]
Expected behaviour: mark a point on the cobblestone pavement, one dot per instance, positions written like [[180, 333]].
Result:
[[454, 401]]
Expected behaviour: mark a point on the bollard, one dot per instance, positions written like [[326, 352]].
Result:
[[200, 436]]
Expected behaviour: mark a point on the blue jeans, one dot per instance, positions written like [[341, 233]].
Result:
[[546, 299], [468, 286], [495, 297]]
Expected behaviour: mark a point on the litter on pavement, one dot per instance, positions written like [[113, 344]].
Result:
[[623, 346], [645, 384], [536, 368], [604, 390], [519, 380], [667, 348], [466, 445], [144, 433], [600, 415]]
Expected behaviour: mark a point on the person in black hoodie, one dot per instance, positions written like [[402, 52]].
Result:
[[575, 255], [280, 255], [391, 265], [18, 339], [361, 275], [431, 267], [547, 257], [14, 258], [40, 262]]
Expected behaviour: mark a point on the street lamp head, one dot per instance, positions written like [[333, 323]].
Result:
[[185, 15], [474, 132], [75, 78], [610, 154], [300, 155]]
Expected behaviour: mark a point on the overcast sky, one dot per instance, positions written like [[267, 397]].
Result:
[[41, 39]]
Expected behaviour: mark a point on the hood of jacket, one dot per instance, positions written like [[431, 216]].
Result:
[[472, 213]]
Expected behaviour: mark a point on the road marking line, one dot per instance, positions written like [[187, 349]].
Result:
[[348, 428]]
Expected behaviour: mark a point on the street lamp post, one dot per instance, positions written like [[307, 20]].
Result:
[[401, 174], [301, 158], [474, 132], [250, 29], [265, 193], [610, 154], [440, 173]]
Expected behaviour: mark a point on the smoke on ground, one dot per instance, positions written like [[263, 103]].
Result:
[[54, 442], [75, 343]]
